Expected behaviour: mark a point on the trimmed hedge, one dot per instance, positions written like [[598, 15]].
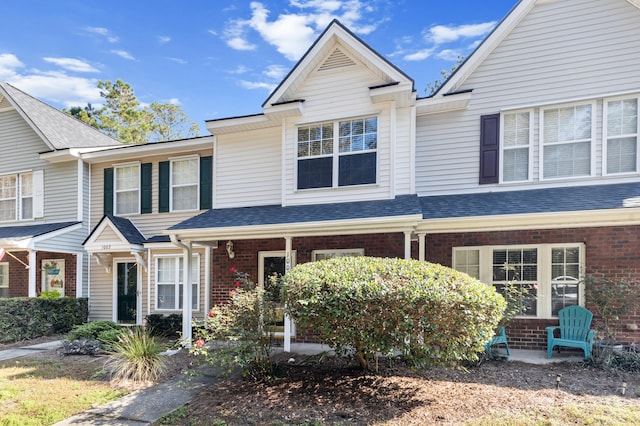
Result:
[[28, 318], [165, 325], [431, 313]]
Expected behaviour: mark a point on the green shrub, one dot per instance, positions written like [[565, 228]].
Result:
[[136, 356], [433, 314], [28, 318], [50, 294], [169, 326], [93, 330]]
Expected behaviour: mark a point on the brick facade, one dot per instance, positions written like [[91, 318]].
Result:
[[19, 274]]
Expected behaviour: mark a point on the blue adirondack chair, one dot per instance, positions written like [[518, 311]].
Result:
[[575, 330], [499, 338]]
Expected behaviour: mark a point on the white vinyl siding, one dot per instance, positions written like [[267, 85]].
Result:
[[517, 136], [185, 184], [550, 273], [126, 189], [567, 141], [621, 136]]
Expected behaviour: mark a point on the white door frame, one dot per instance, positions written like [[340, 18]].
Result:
[[275, 253], [138, 288]]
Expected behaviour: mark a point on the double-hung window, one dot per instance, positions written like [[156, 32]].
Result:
[[621, 136], [329, 254], [4, 279], [550, 273], [169, 281], [127, 189], [517, 134], [338, 154], [17, 196], [185, 183], [567, 140]]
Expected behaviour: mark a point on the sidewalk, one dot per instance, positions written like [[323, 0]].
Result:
[[28, 350]]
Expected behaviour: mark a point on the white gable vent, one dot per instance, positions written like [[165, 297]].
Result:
[[337, 59]]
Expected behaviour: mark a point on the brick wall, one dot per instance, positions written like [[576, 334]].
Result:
[[19, 274], [613, 251]]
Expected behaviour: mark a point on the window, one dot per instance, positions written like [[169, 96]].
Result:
[[127, 189], [621, 136], [516, 142], [169, 279], [17, 200], [328, 254], [184, 184], [337, 154], [4, 279], [550, 272], [566, 134]]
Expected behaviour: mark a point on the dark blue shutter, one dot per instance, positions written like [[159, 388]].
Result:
[[206, 182], [163, 186], [146, 188], [108, 191], [489, 148]]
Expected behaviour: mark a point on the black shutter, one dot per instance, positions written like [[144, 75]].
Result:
[[489, 148], [146, 188], [206, 181], [108, 191], [163, 186]]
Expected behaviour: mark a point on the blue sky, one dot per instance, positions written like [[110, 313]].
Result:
[[219, 58]]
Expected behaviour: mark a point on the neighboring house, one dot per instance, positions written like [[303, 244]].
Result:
[[137, 192], [527, 157], [44, 197]]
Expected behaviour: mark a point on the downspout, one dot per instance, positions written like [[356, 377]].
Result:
[[187, 309]]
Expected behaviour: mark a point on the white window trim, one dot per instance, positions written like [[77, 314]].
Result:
[[531, 144], [605, 136], [6, 284], [115, 189], [37, 195], [592, 141], [336, 154], [338, 252], [195, 258], [171, 186], [544, 280]]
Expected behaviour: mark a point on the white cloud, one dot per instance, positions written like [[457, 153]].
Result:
[[240, 69], [449, 55], [164, 39], [174, 101], [275, 72], [419, 55], [439, 34], [9, 64], [238, 43], [123, 54], [256, 85], [177, 60], [104, 32], [71, 64]]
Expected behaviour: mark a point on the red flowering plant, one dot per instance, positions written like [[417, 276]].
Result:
[[237, 330]]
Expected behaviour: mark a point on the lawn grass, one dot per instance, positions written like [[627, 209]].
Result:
[[43, 392]]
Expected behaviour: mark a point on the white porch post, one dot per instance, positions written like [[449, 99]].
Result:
[[33, 269], [187, 278], [407, 244], [287, 320], [421, 245]]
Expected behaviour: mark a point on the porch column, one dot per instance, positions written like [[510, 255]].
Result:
[[421, 245], [33, 273], [407, 244], [187, 278], [287, 320]]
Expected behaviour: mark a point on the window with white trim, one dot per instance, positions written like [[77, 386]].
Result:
[[517, 134], [550, 272], [566, 140], [338, 154], [4, 279], [185, 183], [169, 279], [17, 196], [621, 136], [127, 189], [329, 254]]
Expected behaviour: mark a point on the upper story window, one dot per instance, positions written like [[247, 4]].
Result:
[[549, 272], [184, 184], [127, 189], [566, 140], [517, 134], [338, 154], [18, 198], [621, 136]]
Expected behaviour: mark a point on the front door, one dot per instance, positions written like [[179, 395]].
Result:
[[126, 309], [272, 263]]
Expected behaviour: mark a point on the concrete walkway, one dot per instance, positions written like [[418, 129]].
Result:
[[146, 406]]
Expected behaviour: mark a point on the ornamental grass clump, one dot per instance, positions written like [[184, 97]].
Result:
[[432, 314], [137, 357]]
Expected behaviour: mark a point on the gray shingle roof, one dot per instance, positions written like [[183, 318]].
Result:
[[60, 130], [273, 215], [126, 228], [30, 231], [547, 200]]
